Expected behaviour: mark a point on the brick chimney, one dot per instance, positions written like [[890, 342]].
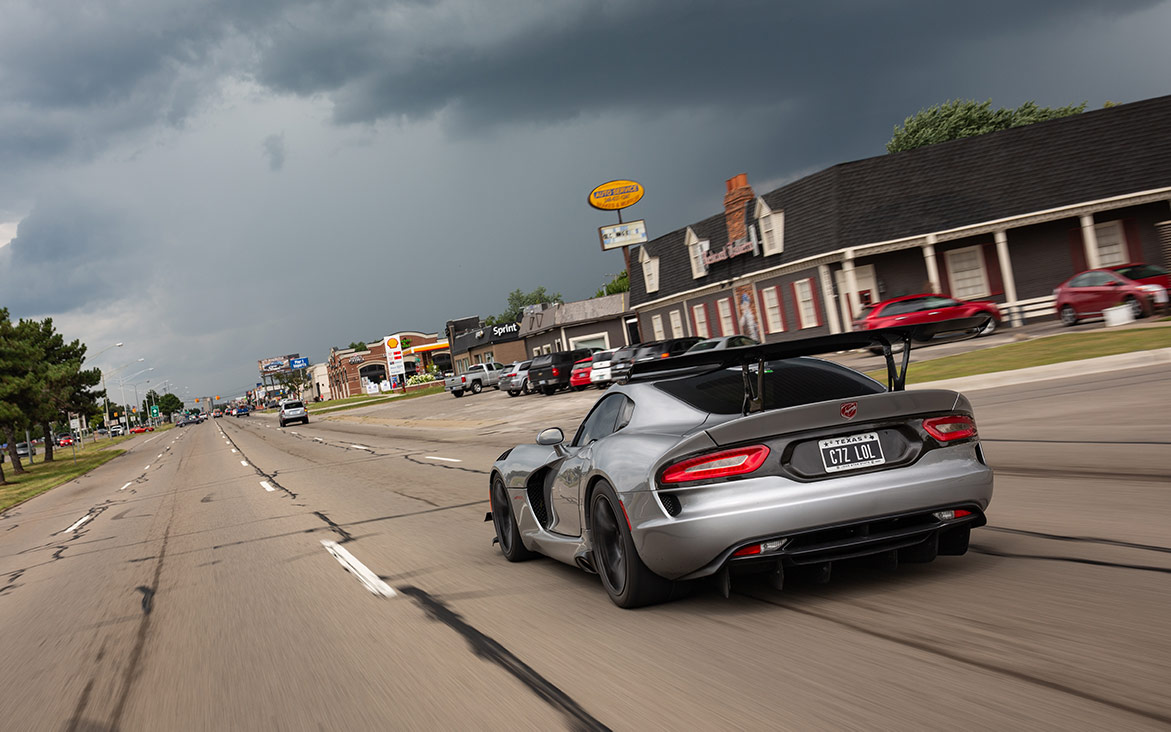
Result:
[[736, 200]]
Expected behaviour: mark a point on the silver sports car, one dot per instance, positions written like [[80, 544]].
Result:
[[754, 459]]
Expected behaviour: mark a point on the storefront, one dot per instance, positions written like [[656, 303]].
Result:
[[353, 372], [487, 344], [971, 219]]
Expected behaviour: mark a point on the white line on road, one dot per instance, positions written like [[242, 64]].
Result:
[[153, 438], [244, 463], [125, 486], [368, 579], [362, 447], [446, 460], [233, 451], [291, 432], [147, 468], [79, 522], [318, 439], [158, 456], [267, 486]]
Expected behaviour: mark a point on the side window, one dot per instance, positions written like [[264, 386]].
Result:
[[601, 421]]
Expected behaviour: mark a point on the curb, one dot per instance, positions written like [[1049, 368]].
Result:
[[1065, 369]]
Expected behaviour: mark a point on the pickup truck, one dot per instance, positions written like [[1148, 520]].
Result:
[[474, 379]]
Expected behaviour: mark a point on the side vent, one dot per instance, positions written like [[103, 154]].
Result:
[[536, 491], [671, 503]]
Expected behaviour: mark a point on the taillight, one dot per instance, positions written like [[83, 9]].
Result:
[[950, 428], [556, 372], [664, 355], [721, 464]]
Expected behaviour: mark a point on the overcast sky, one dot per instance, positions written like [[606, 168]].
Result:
[[216, 182]]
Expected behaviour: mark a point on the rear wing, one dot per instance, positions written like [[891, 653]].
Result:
[[747, 357]]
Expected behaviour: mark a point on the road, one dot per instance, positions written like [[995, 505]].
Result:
[[206, 588]]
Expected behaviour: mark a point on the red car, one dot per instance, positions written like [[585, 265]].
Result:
[[579, 378], [926, 308], [140, 429], [1142, 287]]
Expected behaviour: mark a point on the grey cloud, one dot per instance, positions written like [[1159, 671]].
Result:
[[274, 151]]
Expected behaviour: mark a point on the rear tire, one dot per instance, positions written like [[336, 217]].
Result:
[[1136, 307], [477, 387], [548, 390], [513, 392], [305, 421], [507, 533], [626, 579], [1068, 315], [282, 422], [526, 388], [579, 388], [992, 326], [457, 394]]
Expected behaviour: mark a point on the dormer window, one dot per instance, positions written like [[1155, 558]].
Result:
[[772, 228], [695, 251], [650, 270]]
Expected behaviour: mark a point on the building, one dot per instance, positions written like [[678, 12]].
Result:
[[601, 322], [1005, 216], [486, 344], [351, 372]]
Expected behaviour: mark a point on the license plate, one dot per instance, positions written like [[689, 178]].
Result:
[[851, 452]]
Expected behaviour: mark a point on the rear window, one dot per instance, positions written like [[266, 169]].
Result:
[[294, 405], [540, 361], [787, 383], [705, 345]]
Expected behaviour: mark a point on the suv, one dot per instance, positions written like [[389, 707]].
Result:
[[550, 372], [620, 370], [117, 430], [515, 380], [293, 411]]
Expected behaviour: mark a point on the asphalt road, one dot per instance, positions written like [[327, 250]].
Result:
[[206, 590]]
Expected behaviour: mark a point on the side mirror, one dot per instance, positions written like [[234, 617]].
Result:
[[550, 436]]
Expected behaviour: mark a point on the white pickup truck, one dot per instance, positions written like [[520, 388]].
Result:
[[474, 379]]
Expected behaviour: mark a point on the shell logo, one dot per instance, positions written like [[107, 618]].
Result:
[[615, 195], [392, 342]]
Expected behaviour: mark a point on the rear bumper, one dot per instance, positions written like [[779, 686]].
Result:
[[714, 520]]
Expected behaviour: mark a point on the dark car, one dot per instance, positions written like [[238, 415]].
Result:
[[926, 308], [620, 370], [718, 344], [1138, 286], [550, 372]]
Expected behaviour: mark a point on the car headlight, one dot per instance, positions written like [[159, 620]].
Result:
[[1152, 288]]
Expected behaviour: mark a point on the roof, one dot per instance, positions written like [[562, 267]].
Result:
[[1088, 156], [558, 315]]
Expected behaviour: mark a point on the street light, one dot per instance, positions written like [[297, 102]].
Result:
[[112, 372], [124, 379]]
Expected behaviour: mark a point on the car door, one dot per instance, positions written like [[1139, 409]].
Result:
[[934, 309], [567, 487], [1104, 291]]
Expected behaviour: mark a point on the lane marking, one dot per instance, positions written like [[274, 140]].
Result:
[[77, 523], [368, 579], [291, 432], [318, 439], [362, 447], [125, 486], [446, 460], [147, 468], [153, 438], [244, 463], [267, 486], [233, 451], [158, 456]]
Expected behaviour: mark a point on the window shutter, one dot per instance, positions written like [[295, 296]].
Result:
[[1077, 250], [992, 270], [1134, 240]]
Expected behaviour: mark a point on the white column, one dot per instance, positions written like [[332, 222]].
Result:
[[1007, 277], [827, 297], [851, 285], [1090, 241], [932, 265]]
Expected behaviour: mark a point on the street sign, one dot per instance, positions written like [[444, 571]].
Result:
[[299, 363], [154, 411]]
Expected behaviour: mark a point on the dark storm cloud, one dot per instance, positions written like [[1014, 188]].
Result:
[[69, 253]]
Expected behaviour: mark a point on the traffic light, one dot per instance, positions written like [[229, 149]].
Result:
[[217, 398], [197, 400], [134, 410]]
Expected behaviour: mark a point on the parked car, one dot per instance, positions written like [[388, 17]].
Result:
[[117, 430], [515, 379], [1091, 292], [579, 377], [683, 475], [620, 362], [101, 431], [719, 344], [292, 410], [25, 450], [550, 372], [620, 371], [474, 379], [600, 368], [926, 308], [140, 428]]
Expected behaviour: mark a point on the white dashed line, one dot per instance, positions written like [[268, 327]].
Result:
[[244, 463], [125, 486], [81, 521], [147, 468], [158, 456], [233, 451], [267, 486], [362, 447], [153, 438], [368, 579], [318, 439], [291, 432], [446, 460]]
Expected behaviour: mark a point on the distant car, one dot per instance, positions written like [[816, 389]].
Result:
[[117, 430], [579, 377], [600, 368], [653, 351], [515, 380], [217, 414], [139, 429], [64, 440], [24, 449], [927, 308], [1090, 292], [719, 344], [620, 361], [102, 431], [293, 410], [242, 412], [551, 372]]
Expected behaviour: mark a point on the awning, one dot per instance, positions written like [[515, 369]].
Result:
[[440, 346]]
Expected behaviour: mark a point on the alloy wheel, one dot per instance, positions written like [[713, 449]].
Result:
[[608, 545]]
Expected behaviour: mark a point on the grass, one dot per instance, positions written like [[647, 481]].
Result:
[[1039, 352], [333, 403], [42, 476], [356, 402]]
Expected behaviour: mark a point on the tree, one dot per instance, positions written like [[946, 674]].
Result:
[[961, 118], [358, 346], [169, 404], [63, 387], [293, 381], [518, 301], [620, 283], [18, 382]]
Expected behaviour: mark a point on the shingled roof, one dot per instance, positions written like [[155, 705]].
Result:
[[1089, 156]]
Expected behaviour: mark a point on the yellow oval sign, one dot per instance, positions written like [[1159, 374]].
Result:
[[616, 194]]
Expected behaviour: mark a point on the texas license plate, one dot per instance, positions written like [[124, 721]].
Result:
[[851, 452]]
